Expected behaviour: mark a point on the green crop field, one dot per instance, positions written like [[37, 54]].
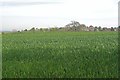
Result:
[[60, 55], [0, 56]]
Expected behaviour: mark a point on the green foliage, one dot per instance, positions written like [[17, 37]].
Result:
[[60, 55]]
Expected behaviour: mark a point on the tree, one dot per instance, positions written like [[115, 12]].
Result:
[[25, 30], [76, 26], [37, 29], [99, 28], [104, 28], [82, 27], [18, 31], [32, 29], [95, 29], [53, 29], [61, 29], [73, 26], [41, 29], [118, 28], [112, 29]]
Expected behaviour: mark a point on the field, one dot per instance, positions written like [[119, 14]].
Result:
[[60, 55], [0, 56]]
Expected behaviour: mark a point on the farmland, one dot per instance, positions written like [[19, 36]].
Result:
[[60, 55], [0, 56]]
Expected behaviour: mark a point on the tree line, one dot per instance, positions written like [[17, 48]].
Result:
[[75, 26]]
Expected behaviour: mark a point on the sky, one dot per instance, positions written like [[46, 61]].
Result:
[[25, 14]]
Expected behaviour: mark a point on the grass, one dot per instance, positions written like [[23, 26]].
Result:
[[60, 55], [0, 56]]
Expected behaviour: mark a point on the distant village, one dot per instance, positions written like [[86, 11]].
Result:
[[73, 26]]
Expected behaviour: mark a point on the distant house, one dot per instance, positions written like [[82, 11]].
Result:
[[109, 29], [87, 29], [115, 29]]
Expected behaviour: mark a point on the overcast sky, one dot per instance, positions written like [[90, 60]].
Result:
[[22, 14]]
